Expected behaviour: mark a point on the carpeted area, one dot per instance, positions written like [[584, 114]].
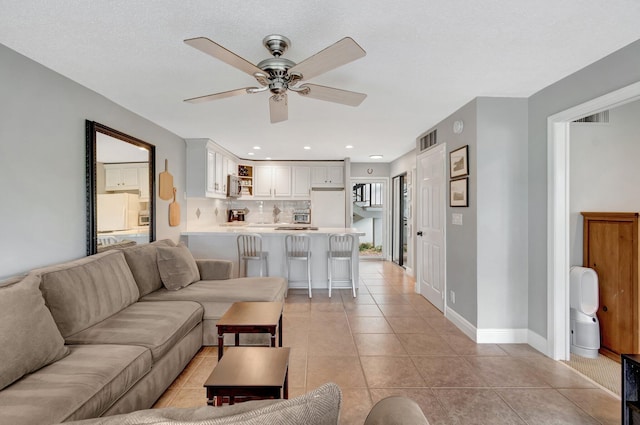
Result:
[[602, 370]]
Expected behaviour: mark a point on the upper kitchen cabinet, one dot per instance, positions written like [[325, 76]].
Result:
[[125, 176], [272, 181], [207, 169], [327, 176], [301, 182]]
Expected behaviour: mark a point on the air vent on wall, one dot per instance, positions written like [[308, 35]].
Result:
[[428, 140], [600, 117]]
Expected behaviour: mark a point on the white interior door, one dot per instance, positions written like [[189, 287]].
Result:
[[431, 253]]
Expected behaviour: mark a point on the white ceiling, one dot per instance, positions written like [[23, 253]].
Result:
[[425, 59]]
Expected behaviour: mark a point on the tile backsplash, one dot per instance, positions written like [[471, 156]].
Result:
[[205, 212]]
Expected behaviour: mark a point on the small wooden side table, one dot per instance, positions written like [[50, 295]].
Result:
[[249, 373], [251, 317]]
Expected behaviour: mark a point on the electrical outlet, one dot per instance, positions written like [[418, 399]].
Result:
[[452, 295]]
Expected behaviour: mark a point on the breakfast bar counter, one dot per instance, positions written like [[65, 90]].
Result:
[[221, 242]]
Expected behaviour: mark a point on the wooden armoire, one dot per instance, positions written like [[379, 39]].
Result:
[[611, 249]]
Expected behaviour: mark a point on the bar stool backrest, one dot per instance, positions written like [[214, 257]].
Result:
[[250, 245], [297, 246], [340, 245]]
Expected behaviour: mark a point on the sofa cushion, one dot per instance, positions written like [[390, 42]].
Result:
[[29, 338], [155, 325], [177, 267], [84, 292], [82, 385], [226, 291], [142, 260], [318, 407]]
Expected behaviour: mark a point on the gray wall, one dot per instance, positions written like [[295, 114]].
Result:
[[501, 198], [604, 169], [462, 241], [42, 160], [361, 169], [613, 72]]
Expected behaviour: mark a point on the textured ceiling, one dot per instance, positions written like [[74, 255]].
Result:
[[425, 59]]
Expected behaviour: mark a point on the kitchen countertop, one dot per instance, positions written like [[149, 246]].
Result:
[[266, 229]]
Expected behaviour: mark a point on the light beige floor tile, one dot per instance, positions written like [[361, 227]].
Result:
[[398, 310], [363, 310], [382, 289], [556, 374], [362, 298], [201, 373], [545, 406], [343, 370], [331, 343], [208, 352], [378, 345], [190, 397], [186, 373], [505, 371], [327, 308], [409, 325], [298, 372], [390, 372], [426, 399], [166, 399], [356, 404], [390, 299], [520, 350], [297, 308], [369, 325], [296, 391], [447, 371], [442, 325], [597, 403], [425, 344], [477, 407]]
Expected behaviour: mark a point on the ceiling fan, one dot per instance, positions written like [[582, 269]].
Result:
[[278, 74]]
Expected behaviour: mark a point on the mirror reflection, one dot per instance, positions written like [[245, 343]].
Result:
[[122, 190]]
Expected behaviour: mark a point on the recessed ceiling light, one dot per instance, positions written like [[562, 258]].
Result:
[[307, 147], [375, 156], [257, 147], [250, 153], [349, 147], [268, 157]]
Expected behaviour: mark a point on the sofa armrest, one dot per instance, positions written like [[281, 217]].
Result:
[[214, 269], [396, 410]]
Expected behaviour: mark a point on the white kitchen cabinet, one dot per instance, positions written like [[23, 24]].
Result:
[[272, 181], [211, 172], [327, 176], [143, 180], [221, 181], [122, 176], [301, 182], [203, 179]]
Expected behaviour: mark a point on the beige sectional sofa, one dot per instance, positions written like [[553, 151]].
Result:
[[102, 335], [99, 339]]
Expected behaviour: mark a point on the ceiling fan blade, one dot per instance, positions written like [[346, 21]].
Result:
[[338, 54], [278, 108], [217, 96], [217, 51], [331, 94]]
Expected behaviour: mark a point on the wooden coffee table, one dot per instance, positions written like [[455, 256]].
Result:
[[251, 317], [249, 373]]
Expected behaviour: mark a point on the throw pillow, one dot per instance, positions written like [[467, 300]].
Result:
[[177, 267], [29, 338]]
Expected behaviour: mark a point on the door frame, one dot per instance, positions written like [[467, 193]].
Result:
[[386, 255], [403, 179], [558, 210], [418, 204]]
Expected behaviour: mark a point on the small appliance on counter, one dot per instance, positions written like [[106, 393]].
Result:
[[143, 218], [236, 214], [302, 216]]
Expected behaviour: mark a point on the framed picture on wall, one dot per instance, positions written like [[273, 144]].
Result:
[[459, 162], [459, 192]]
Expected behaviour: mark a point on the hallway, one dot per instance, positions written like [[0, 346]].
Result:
[[390, 340]]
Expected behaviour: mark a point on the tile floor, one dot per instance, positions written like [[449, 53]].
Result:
[[390, 340]]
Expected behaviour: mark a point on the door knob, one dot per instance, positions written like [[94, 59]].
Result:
[[419, 233], [604, 308]]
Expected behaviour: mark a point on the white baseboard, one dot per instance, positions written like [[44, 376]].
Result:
[[497, 336], [462, 323]]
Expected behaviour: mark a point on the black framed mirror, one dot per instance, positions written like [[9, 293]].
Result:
[[120, 189]]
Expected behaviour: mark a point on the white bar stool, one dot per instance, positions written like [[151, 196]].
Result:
[[250, 248], [298, 247], [341, 249]]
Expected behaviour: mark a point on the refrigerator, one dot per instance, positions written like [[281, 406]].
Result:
[[328, 208], [117, 211]]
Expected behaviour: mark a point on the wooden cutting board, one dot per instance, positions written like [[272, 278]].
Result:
[[174, 211], [165, 186]]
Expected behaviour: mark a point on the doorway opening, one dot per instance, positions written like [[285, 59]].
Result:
[[369, 206], [399, 219]]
